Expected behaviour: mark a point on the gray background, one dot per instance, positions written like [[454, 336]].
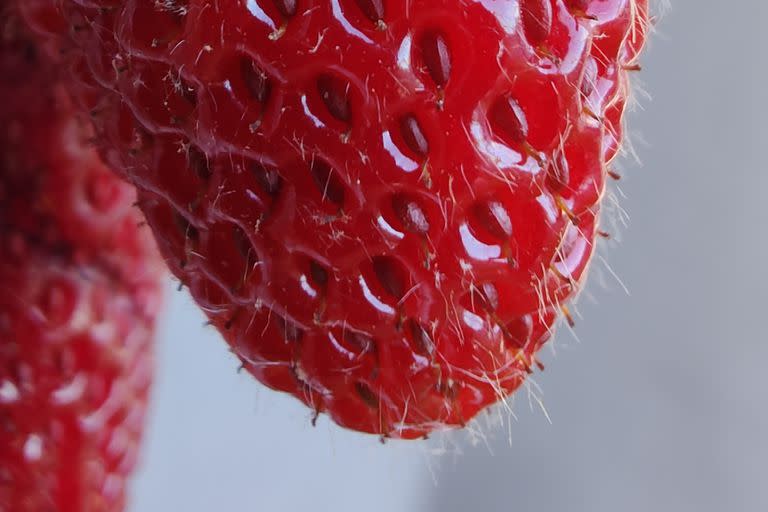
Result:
[[661, 405]]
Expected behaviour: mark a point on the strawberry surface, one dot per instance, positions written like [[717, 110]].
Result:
[[382, 205], [79, 290]]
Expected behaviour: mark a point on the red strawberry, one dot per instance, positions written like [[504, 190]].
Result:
[[382, 205], [79, 290]]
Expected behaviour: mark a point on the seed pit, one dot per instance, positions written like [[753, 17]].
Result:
[[367, 395], [256, 81], [436, 57], [198, 163], [362, 342], [335, 91], [536, 17], [373, 9], [492, 217], [421, 338], [518, 331], [354, 342], [286, 7], [268, 178], [242, 243], [318, 274], [558, 171], [410, 214], [391, 275], [328, 181], [413, 135], [230, 259], [482, 298], [187, 230], [508, 120]]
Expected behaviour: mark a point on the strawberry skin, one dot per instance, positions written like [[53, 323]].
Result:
[[382, 205], [79, 291]]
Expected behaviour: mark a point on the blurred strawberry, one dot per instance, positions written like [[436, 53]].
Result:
[[80, 286]]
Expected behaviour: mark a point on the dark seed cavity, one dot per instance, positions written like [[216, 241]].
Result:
[[187, 230], [242, 243], [328, 182], [198, 163], [518, 331], [421, 338], [286, 7], [362, 343], [391, 275], [318, 274], [373, 9], [558, 172], [508, 120], [410, 214], [483, 297], [437, 57], [356, 342], [269, 180], [255, 79], [334, 91], [367, 395], [413, 135], [494, 218], [536, 17]]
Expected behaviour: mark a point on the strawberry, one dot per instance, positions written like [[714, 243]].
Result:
[[79, 290], [383, 206]]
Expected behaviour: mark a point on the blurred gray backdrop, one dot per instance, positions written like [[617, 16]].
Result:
[[659, 401]]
